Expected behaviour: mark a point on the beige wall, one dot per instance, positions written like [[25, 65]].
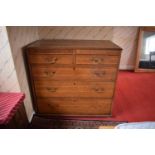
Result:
[[19, 37], [77, 32], [8, 77], [126, 37]]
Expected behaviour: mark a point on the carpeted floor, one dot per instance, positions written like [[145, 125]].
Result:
[[134, 99]]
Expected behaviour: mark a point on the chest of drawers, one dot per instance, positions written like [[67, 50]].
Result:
[[72, 77]]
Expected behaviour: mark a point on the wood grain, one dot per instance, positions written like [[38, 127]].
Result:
[[74, 106], [75, 44], [97, 59], [83, 87], [69, 73], [50, 59], [74, 89]]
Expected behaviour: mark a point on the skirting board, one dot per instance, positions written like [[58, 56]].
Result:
[[30, 118], [126, 67]]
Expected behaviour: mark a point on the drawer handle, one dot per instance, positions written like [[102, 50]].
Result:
[[49, 105], [51, 89], [98, 90], [100, 74], [51, 60], [49, 73], [97, 60]]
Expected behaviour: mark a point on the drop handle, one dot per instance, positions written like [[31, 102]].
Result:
[[97, 60], [74, 100], [51, 89], [98, 90], [49, 73], [51, 60], [49, 105], [100, 74]]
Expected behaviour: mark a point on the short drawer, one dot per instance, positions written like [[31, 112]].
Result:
[[74, 89], [97, 60], [66, 73], [74, 106], [50, 59]]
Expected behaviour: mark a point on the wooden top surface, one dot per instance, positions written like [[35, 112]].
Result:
[[74, 44]]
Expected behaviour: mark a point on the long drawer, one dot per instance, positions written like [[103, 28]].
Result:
[[73, 89], [74, 106], [66, 73]]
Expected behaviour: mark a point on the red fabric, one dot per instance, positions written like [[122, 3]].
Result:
[[9, 103], [134, 98]]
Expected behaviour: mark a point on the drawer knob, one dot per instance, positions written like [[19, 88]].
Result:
[[51, 60], [51, 89], [97, 60], [47, 73]]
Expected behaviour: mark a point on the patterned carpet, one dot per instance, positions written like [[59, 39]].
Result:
[[47, 123]]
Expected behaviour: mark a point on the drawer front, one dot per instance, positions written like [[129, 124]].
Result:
[[74, 89], [52, 59], [97, 60], [88, 74], [74, 106], [99, 52]]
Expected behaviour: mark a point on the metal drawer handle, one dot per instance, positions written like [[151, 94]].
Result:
[[97, 60], [51, 89], [51, 60], [98, 90], [49, 104], [49, 73], [100, 74]]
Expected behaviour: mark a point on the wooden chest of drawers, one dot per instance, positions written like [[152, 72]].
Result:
[[72, 77]]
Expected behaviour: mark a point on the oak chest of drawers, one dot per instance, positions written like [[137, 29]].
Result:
[[72, 77]]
